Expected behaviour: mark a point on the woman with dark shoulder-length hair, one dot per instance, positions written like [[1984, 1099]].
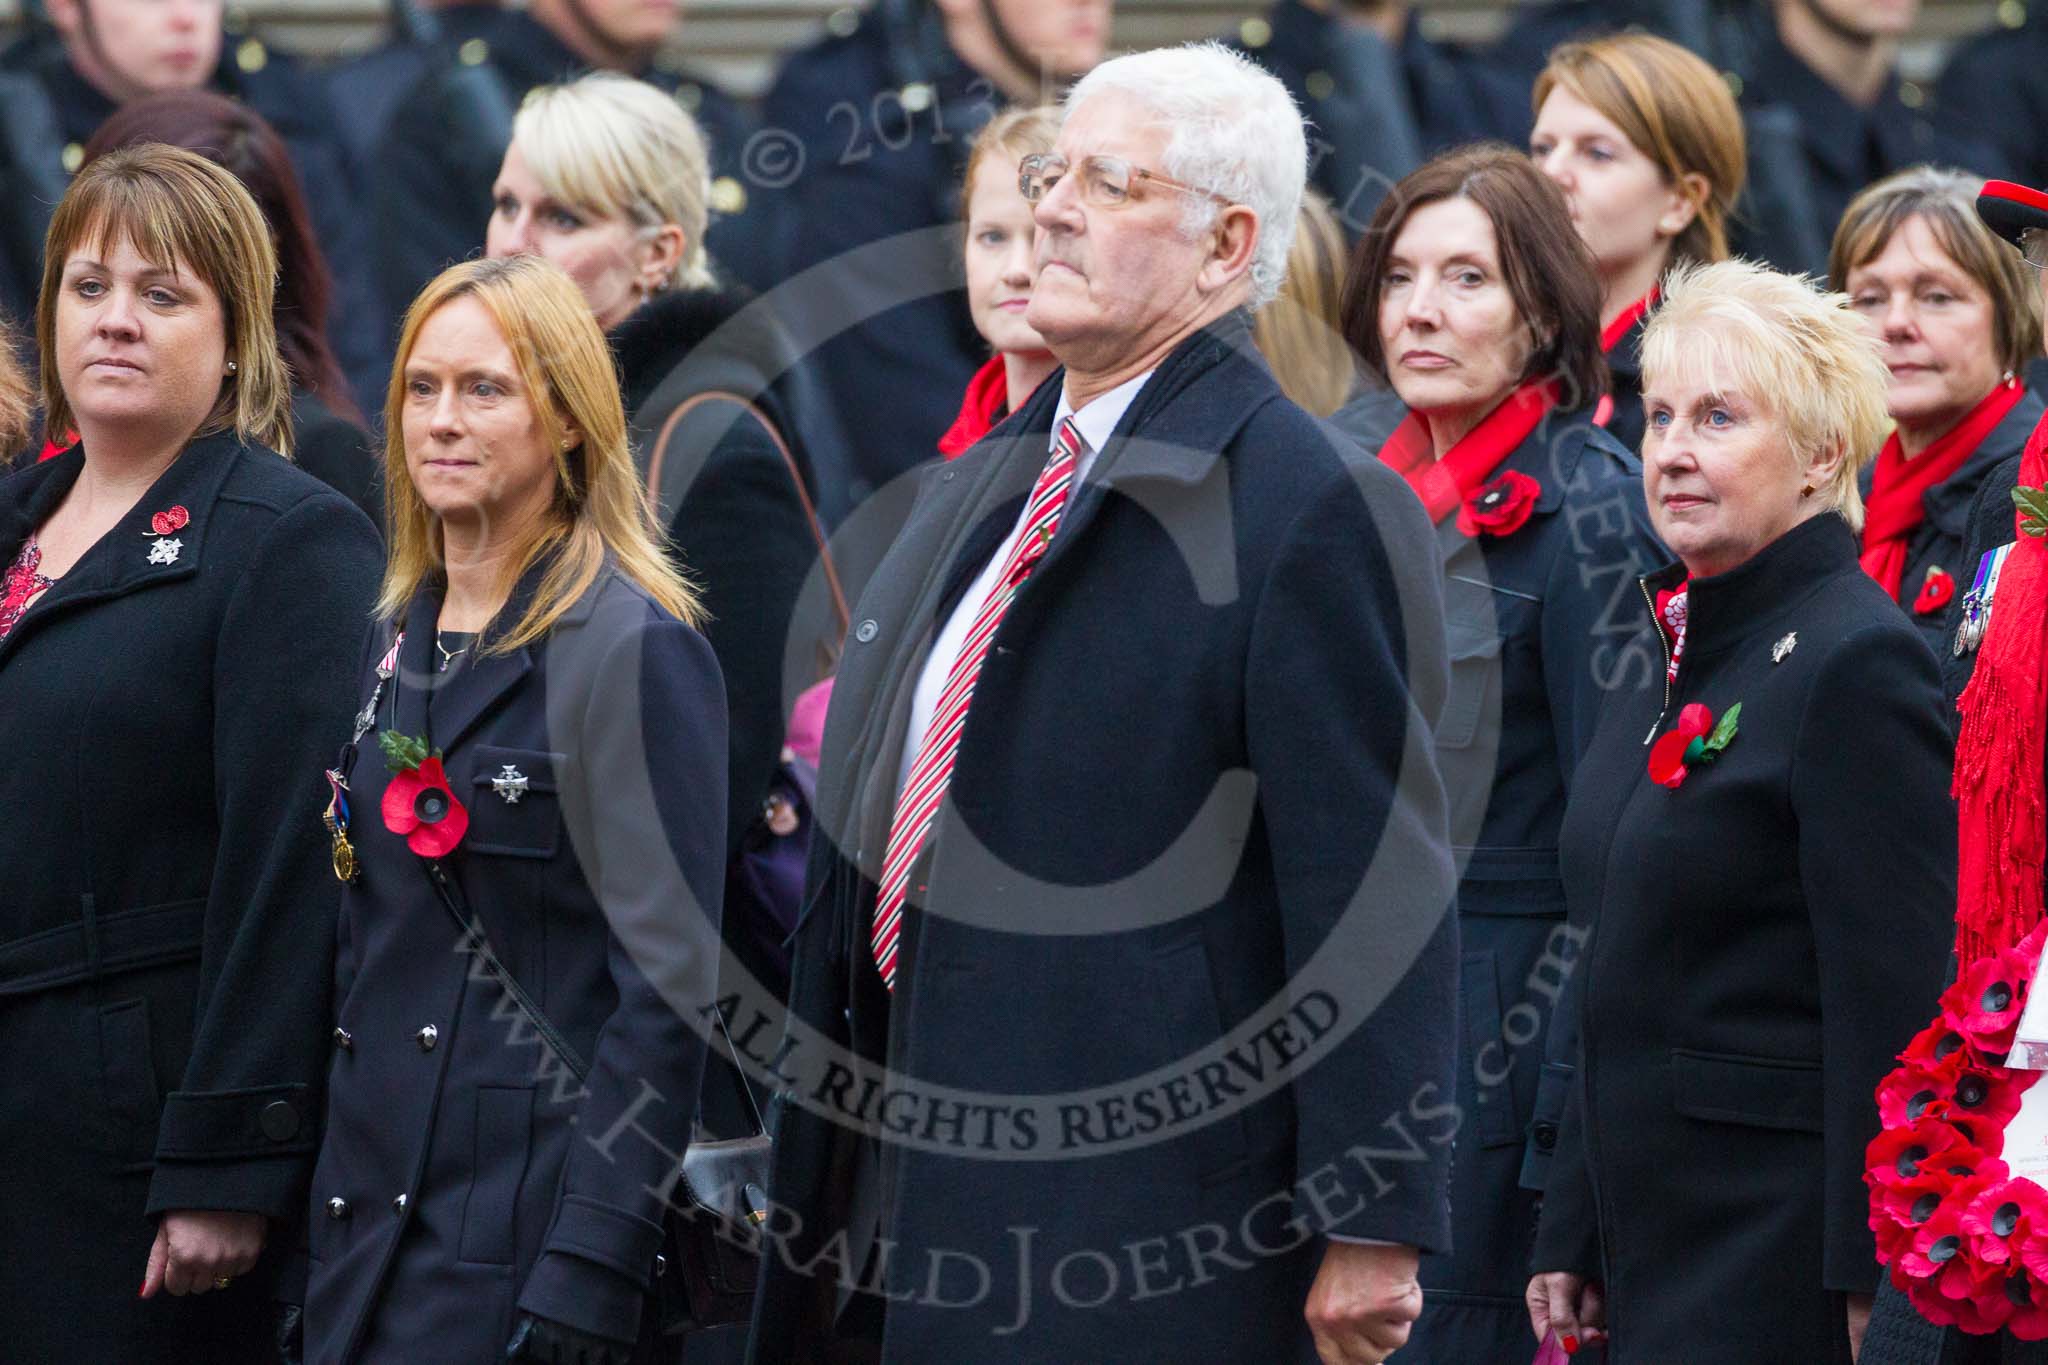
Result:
[[1960, 322], [1647, 145], [1764, 851], [180, 609], [329, 440], [1474, 300], [538, 771]]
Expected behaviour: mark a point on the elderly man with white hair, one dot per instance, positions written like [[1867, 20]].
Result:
[[1122, 1026]]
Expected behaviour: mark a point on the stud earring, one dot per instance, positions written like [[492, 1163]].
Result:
[[1807, 491], [231, 367]]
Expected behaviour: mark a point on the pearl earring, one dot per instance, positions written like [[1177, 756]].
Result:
[[231, 367]]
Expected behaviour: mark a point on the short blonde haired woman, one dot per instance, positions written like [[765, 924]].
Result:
[[540, 760], [1959, 316], [997, 260], [1647, 144], [606, 177], [1764, 851], [179, 607]]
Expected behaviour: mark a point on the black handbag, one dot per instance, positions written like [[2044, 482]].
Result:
[[711, 1227]]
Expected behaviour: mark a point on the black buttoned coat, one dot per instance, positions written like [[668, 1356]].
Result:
[[168, 918], [1203, 722], [451, 1183], [1765, 938], [1543, 625]]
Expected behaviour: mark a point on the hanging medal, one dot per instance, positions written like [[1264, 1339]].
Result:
[[346, 868], [1976, 604]]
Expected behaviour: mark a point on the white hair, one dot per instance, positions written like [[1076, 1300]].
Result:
[[619, 148], [1232, 129]]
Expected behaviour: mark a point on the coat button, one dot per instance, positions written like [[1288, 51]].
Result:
[[1545, 1135], [398, 1204], [337, 1207], [344, 1040], [427, 1037], [280, 1122], [866, 631]]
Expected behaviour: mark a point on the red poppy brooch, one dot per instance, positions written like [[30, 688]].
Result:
[[1937, 590], [1965, 1239], [1696, 739], [419, 803], [1500, 508]]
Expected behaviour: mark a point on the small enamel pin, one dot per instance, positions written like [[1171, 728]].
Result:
[[1783, 649], [165, 551], [510, 784], [170, 520]]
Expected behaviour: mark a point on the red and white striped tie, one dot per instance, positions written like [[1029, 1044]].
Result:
[[917, 809]]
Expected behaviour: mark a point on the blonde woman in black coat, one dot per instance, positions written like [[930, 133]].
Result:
[[1764, 850]]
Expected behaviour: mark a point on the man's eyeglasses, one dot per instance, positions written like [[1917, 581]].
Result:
[[2034, 247], [1106, 181]]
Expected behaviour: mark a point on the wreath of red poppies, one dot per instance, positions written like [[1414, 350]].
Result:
[[1965, 1240]]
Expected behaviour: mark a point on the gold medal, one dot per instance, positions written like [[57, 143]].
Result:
[[346, 868], [335, 817]]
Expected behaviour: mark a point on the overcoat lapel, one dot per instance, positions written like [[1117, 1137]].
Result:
[[120, 562]]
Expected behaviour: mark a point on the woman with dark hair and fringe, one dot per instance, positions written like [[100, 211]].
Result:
[[328, 437], [1474, 300]]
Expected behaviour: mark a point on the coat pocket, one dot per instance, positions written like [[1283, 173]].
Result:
[[1759, 1092], [502, 1143], [134, 1103], [514, 808], [1475, 681]]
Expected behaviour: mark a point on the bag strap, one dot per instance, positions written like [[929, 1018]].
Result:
[[796, 479], [473, 937]]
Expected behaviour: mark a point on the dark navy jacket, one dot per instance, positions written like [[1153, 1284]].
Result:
[[169, 915], [1764, 939], [1937, 542], [871, 198], [462, 1171], [1543, 629], [1203, 721], [1377, 111]]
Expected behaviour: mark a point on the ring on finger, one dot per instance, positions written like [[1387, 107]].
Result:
[[223, 1281]]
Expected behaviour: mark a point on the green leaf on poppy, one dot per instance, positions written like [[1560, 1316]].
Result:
[[402, 753], [1725, 731], [2033, 505]]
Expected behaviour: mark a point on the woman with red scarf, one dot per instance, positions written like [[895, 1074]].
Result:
[[1472, 297], [998, 267], [1994, 672], [1646, 143], [1959, 321]]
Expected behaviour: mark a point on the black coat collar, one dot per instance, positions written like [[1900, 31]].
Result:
[[1729, 608], [1948, 502], [120, 561]]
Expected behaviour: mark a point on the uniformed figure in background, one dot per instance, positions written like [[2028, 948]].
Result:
[[1380, 97], [1831, 65], [865, 132], [59, 82], [1993, 84], [431, 182]]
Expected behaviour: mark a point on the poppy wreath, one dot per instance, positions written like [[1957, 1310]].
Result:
[[1964, 1239], [1500, 508], [419, 804]]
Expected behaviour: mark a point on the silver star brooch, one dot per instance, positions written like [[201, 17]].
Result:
[[1784, 647], [510, 784], [165, 551]]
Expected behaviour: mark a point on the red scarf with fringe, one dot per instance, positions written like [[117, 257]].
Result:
[[1444, 484], [2001, 833], [1895, 507]]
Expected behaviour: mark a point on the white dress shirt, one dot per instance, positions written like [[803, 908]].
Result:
[[1096, 422]]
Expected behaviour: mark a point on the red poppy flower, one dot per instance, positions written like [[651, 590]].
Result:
[[1897, 1155], [2004, 1217], [1500, 508], [1937, 1041], [1673, 751], [2029, 1298], [1986, 1000], [1905, 1094], [1949, 1286], [1935, 592], [169, 520], [420, 805], [1896, 1211]]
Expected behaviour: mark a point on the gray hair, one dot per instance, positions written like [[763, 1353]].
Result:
[[1233, 130], [619, 148]]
